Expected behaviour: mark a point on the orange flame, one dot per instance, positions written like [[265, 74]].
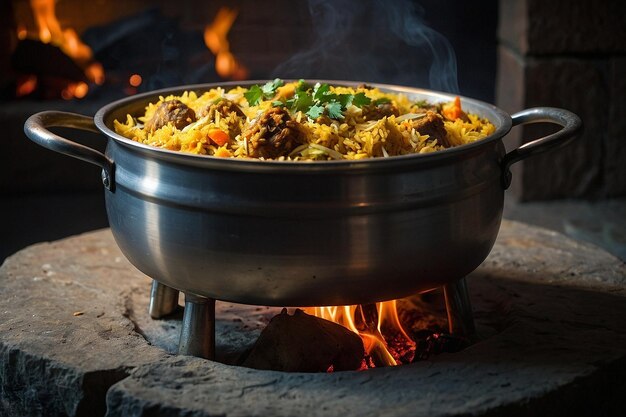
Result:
[[377, 324], [215, 38], [25, 85], [49, 30]]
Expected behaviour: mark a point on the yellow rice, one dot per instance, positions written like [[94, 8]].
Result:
[[350, 138]]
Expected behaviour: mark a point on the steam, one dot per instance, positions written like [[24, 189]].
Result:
[[376, 41]]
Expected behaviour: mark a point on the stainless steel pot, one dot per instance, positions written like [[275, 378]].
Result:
[[299, 234]]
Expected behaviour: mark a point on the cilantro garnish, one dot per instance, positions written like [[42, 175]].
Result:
[[267, 91], [253, 95], [334, 110], [315, 111], [313, 101]]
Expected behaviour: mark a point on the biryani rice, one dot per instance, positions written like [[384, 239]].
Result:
[[350, 136]]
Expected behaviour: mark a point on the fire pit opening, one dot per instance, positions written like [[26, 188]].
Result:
[[389, 333], [312, 339]]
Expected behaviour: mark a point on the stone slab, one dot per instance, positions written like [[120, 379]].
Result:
[[65, 335], [549, 313]]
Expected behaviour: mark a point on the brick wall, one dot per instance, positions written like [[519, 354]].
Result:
[[569, 54]]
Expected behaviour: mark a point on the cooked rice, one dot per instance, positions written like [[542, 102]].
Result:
[[349, 137]]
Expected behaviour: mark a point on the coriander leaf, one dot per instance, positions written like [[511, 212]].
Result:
[[360, 100], [422, 103], [302, 101], [345, 99], [315, 111], [253, 95], [334, 110], [270, 87], [320, 90], [278, 103], [302, 86], [382, 100]]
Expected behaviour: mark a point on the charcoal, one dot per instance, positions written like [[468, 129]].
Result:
[[305, 343], [430, 343]]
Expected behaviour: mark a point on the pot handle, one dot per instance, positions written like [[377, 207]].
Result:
[[571, 126], [36, 128]]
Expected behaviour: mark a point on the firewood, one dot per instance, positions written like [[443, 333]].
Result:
[[305, 343]]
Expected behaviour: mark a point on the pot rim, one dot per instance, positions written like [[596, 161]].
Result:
[[497, 116]]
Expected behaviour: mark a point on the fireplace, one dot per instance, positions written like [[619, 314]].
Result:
[[163, 44]]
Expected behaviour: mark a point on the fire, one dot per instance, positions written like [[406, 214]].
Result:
[[385, 341], [49, 30], [215, 38], [26, 85]]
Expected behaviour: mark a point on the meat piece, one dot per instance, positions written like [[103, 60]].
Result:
[[224, 107], [274, 134], [432, 125], [378, 111], [173, 111]]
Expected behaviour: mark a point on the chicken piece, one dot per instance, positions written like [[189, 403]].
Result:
[[173, 111], [378, 111], [224, 107], [274, 134], [432, 125]]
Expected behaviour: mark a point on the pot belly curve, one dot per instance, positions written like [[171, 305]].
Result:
[[348, 258]]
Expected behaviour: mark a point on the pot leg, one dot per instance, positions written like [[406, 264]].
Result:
[[163, 300], [459, 309], [197, 335]]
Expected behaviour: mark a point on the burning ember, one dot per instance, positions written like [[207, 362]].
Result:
[[357, 337], [385, 341], [49, 31], [51, 60]]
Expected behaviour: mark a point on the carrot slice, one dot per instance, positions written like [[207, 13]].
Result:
[[219, 137], [453, 111]]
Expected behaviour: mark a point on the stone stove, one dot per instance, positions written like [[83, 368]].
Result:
[[76, 338]]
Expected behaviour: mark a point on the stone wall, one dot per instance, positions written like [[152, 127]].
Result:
[[569, 54]]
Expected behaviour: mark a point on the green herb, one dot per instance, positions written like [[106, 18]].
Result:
[[382, 100], [315, 111], [334, 110], [422, 103], [361, 100], [269, 89], [255, 93], [313, 101]]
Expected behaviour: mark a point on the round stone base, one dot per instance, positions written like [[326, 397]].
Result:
[[76, 339]]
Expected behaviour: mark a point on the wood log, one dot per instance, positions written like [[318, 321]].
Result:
[[305, 343]]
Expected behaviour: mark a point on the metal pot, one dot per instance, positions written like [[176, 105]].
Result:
[[300, 234]]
